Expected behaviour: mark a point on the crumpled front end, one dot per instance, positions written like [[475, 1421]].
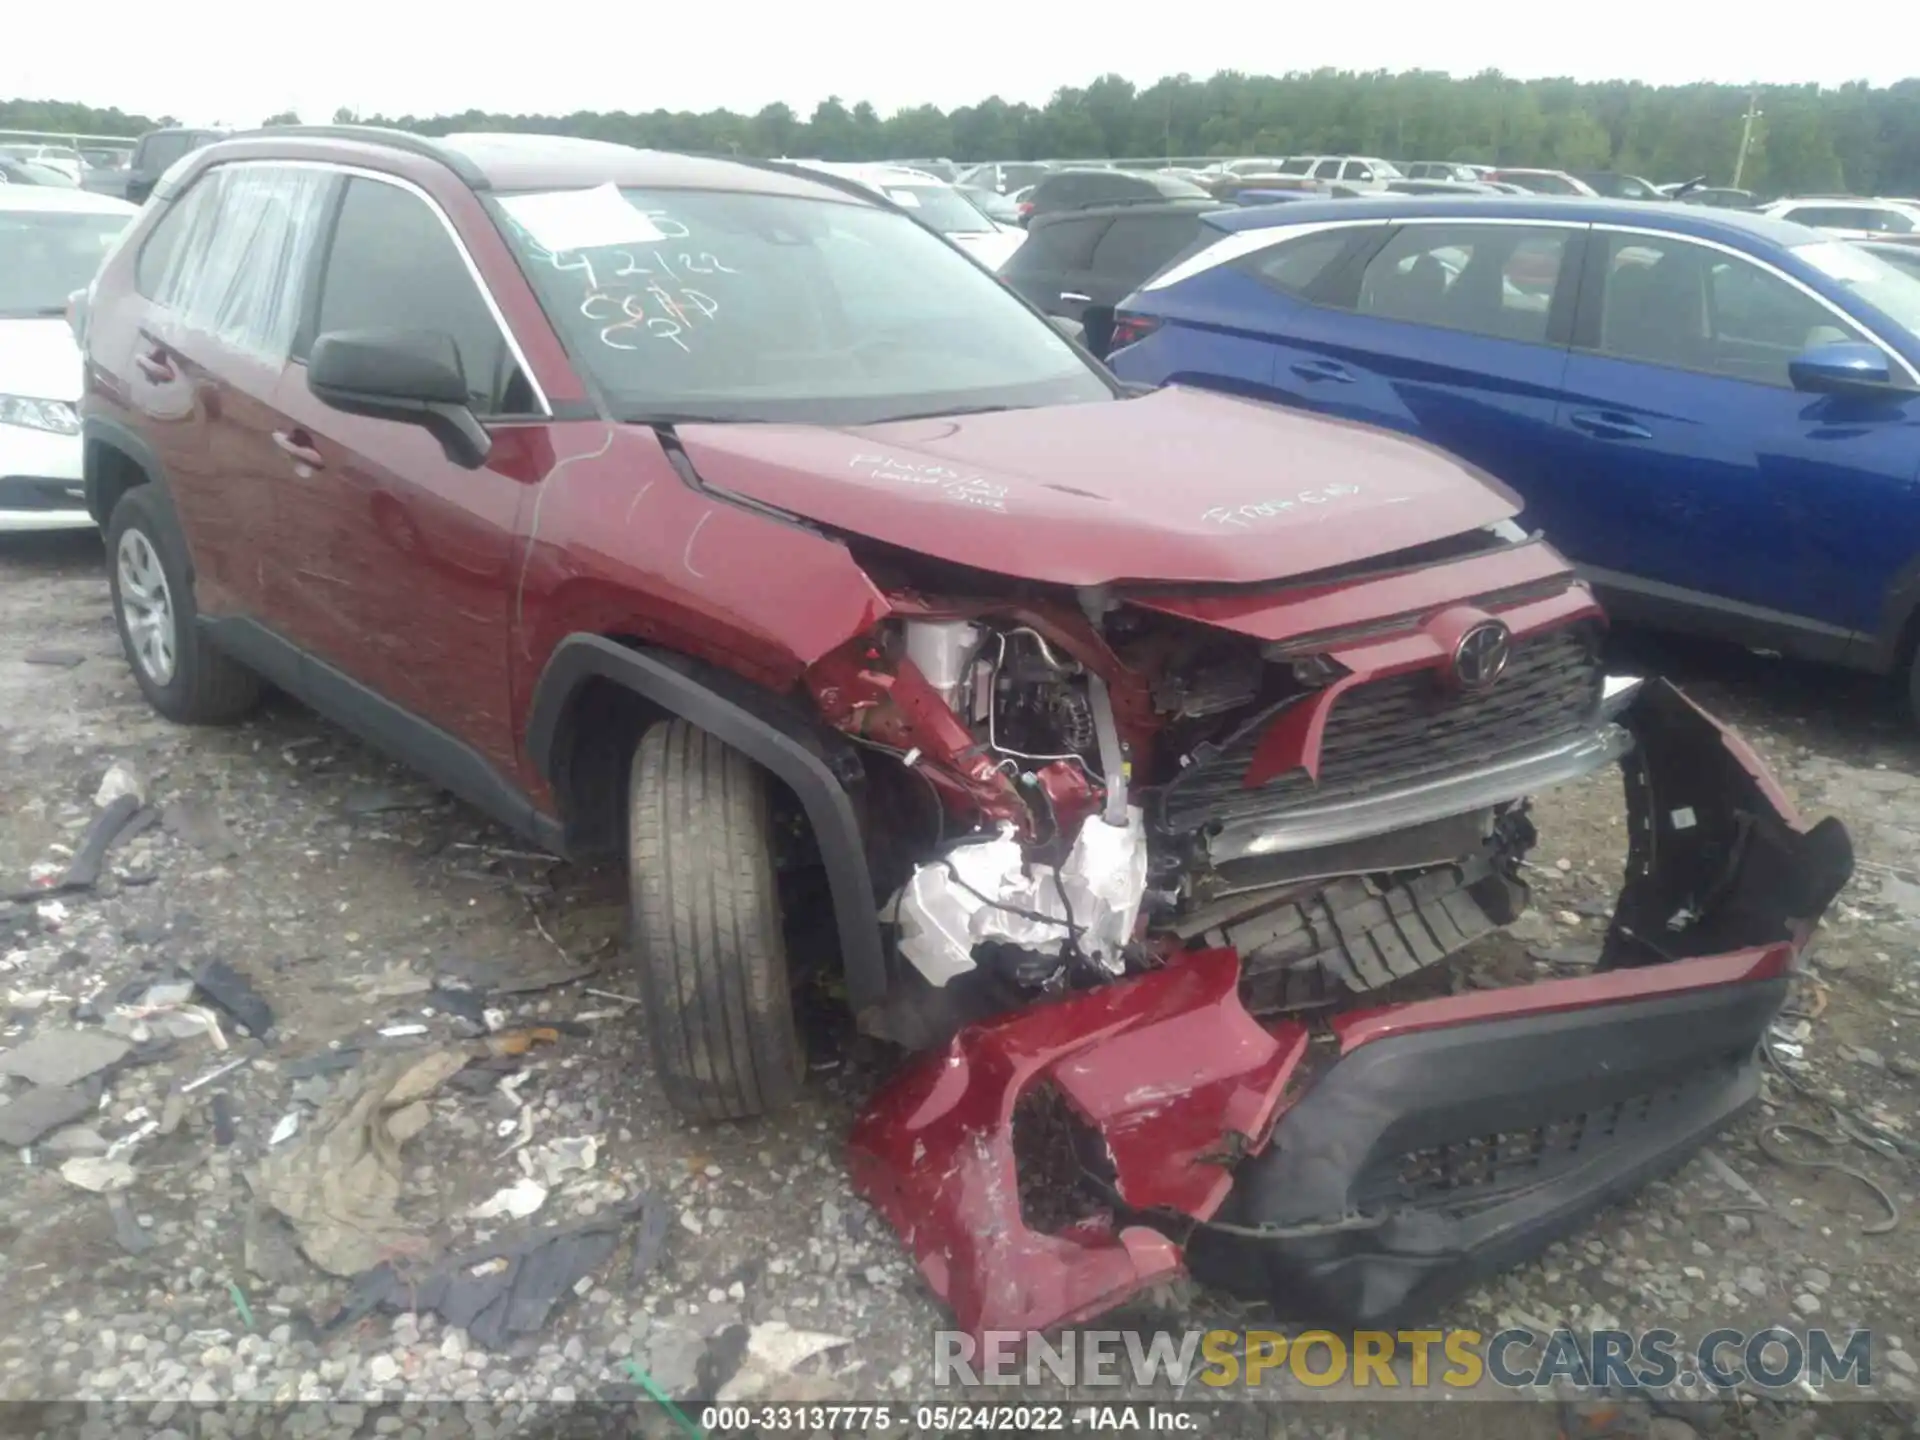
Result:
[[1359, 1161]]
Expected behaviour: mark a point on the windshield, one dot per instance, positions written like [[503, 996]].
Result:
[[938, 207], [717, 305], [46, 255], [1892, 292]]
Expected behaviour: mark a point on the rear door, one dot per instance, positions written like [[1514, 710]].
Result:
[[224, 271], [1452, 331], [1695, 482]]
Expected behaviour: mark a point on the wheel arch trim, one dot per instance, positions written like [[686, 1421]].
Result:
[[761, 728]]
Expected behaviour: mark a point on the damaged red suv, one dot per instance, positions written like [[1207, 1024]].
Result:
[[1121, 753]]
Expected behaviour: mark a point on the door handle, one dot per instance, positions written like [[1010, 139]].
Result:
[[1324, 370], [299, 445], [1076, 297], [1607, 425], [155, 365]]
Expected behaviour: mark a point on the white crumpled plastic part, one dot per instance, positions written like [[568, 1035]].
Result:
[[1101, 885]]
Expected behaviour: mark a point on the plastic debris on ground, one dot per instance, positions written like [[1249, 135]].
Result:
[[61, 1057], [122, 780], [518, 1200], [493, 1292], [97, 1173], [28, 1116], [774, 1352], [338, 1182], [233, 992], [512, 976]]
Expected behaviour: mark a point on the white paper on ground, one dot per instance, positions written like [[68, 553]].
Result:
[[581, 219]]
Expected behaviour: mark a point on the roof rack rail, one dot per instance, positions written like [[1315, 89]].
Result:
[[833, 179], [425, 146]]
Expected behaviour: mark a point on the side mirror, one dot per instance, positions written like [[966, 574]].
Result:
[[1845, 367], [412, 376]]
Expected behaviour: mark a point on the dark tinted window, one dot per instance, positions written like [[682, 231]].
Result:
[[1057, 246], [1495, 280], [1294, 167], [1327, 170], [1293, 265], [1135, 247], [393, 266], [157, 152], [1666, 301]]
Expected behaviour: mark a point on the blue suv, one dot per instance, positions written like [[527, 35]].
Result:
[[1715, 413]]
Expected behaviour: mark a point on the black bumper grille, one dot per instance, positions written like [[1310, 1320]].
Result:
[[1408, 728]]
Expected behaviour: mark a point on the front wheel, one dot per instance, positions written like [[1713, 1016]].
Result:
[[707, 926]]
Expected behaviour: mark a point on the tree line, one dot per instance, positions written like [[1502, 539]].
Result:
[[1803, 138]]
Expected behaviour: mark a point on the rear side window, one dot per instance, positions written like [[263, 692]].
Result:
[[1292, 266], [1494, 280], [231, 257], [393, 266], [1327, 170], [1136, 247], [1294, 167], [1058, 246], [157, 152]]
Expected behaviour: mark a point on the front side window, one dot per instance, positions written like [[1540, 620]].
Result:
[[393, 266], [1356, 170], [45, 255], [696, 304], [237, 251], [1494, 280], [1666, 301], [1327, 170]]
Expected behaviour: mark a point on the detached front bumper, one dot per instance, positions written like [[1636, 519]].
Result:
[[1366, 1175]]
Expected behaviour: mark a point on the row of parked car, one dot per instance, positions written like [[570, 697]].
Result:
[[724, 516]]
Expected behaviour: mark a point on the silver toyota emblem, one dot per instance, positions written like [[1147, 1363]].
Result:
[[1482, 654]]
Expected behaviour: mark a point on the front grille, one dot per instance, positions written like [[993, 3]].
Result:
[[1391, 733], [1475, 1169]]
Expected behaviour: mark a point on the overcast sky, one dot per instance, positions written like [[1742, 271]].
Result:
[[237, 61]]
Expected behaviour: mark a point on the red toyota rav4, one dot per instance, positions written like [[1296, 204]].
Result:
[[1144, 754]]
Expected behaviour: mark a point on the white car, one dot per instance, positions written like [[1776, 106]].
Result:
[[51, 243], [935, 204], [1852, 219]]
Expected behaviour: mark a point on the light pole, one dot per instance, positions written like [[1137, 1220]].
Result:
[[1754, 112]]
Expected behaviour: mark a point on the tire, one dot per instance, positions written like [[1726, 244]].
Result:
[[706, 927], [179, 671]]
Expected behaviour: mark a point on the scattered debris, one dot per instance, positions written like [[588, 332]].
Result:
[[560, 1158], [1770, 1146], [61, 1057], [212, 1075], [512, 976], [97, 1173], [1733, 1180], [121, 781], [240, 1304], [27, 1117], [656, 1220], [518, 1042], [84, 869], [400, 1032], [660, 1397], [774, 1352], [75, 1140], [234, 993], [132, 1138], [286, 1129], [339, 1185], [518, 1200], [127, 1231], [492, 1292], [49, 655], [321, 1062], [222, 1107], [380, 800], [200, 825]]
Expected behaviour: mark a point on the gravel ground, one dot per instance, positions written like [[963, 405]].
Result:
[[342, 888]]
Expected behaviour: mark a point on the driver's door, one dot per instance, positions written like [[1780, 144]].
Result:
[[395, 564], [1703, 489]]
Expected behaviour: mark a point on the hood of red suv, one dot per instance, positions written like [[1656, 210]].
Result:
[[1180, 486]]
